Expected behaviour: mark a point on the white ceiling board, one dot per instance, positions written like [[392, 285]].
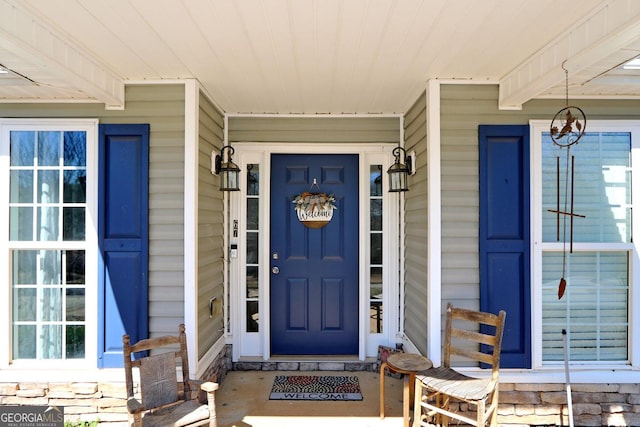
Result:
[[325, 56], [137, 54]]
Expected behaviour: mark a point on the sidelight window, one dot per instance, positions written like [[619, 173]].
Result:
[[253, 232], [376, 248]]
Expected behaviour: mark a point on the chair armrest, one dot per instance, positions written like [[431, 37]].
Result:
[[202, 391], [209, 387], [210, 390], [134, 406]]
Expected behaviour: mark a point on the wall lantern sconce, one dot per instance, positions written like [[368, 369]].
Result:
[[399, 171], [229, 172]]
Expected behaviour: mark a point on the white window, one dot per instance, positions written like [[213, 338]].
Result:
[[589, 243], [49, 239]]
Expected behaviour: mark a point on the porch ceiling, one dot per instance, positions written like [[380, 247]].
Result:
[[317, 56]]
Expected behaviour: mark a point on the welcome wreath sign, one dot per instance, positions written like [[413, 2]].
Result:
[[314, 210]]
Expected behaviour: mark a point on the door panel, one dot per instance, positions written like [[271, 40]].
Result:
[[314, 294]]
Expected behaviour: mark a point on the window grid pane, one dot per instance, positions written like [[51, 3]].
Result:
[[593, 310], [48, 204], [605, 202], [47, 182], [48, 304]]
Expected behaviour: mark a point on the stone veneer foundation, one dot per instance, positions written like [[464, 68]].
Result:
[[92, 401], [520, 404]]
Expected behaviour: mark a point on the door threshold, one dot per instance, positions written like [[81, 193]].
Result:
[[306, 363], [316, 358]]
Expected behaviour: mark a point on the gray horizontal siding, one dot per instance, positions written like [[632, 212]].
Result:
[[415, 280], [314, 129], [210, 227], [162, 107]]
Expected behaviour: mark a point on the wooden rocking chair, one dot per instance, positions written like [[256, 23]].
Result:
[[163, 402], [436, 387]]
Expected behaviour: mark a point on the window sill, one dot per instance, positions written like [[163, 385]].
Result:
[[61, 375], [599, 374]]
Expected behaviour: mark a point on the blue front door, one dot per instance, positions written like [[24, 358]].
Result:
[[314, 271]]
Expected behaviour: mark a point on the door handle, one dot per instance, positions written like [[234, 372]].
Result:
[[275, 270]]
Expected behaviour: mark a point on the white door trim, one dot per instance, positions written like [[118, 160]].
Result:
[[257, 345]]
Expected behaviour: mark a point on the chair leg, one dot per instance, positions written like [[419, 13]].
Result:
[[213, 416], [444, 405], [438, 403], [137, 420], [382, 375], [480, 413], [417, 403], [494, 404], [494, 418]]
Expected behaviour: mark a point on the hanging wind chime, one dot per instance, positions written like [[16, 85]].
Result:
[[567, 127]]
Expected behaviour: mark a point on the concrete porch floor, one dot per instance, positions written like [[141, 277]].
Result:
[[243, 401]]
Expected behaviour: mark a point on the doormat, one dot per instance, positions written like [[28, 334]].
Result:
[[313, 387]]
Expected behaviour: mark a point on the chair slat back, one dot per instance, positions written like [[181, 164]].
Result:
[[158, 371], [158, 380], [473, 355], [465, 337]]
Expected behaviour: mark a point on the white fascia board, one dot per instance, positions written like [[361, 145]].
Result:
[[611, 27], [29, 37]]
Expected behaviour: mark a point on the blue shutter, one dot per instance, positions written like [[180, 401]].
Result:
[[505, 236], [123, 234]]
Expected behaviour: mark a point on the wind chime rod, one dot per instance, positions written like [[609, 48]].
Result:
[[557, 210], [566, 83]]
